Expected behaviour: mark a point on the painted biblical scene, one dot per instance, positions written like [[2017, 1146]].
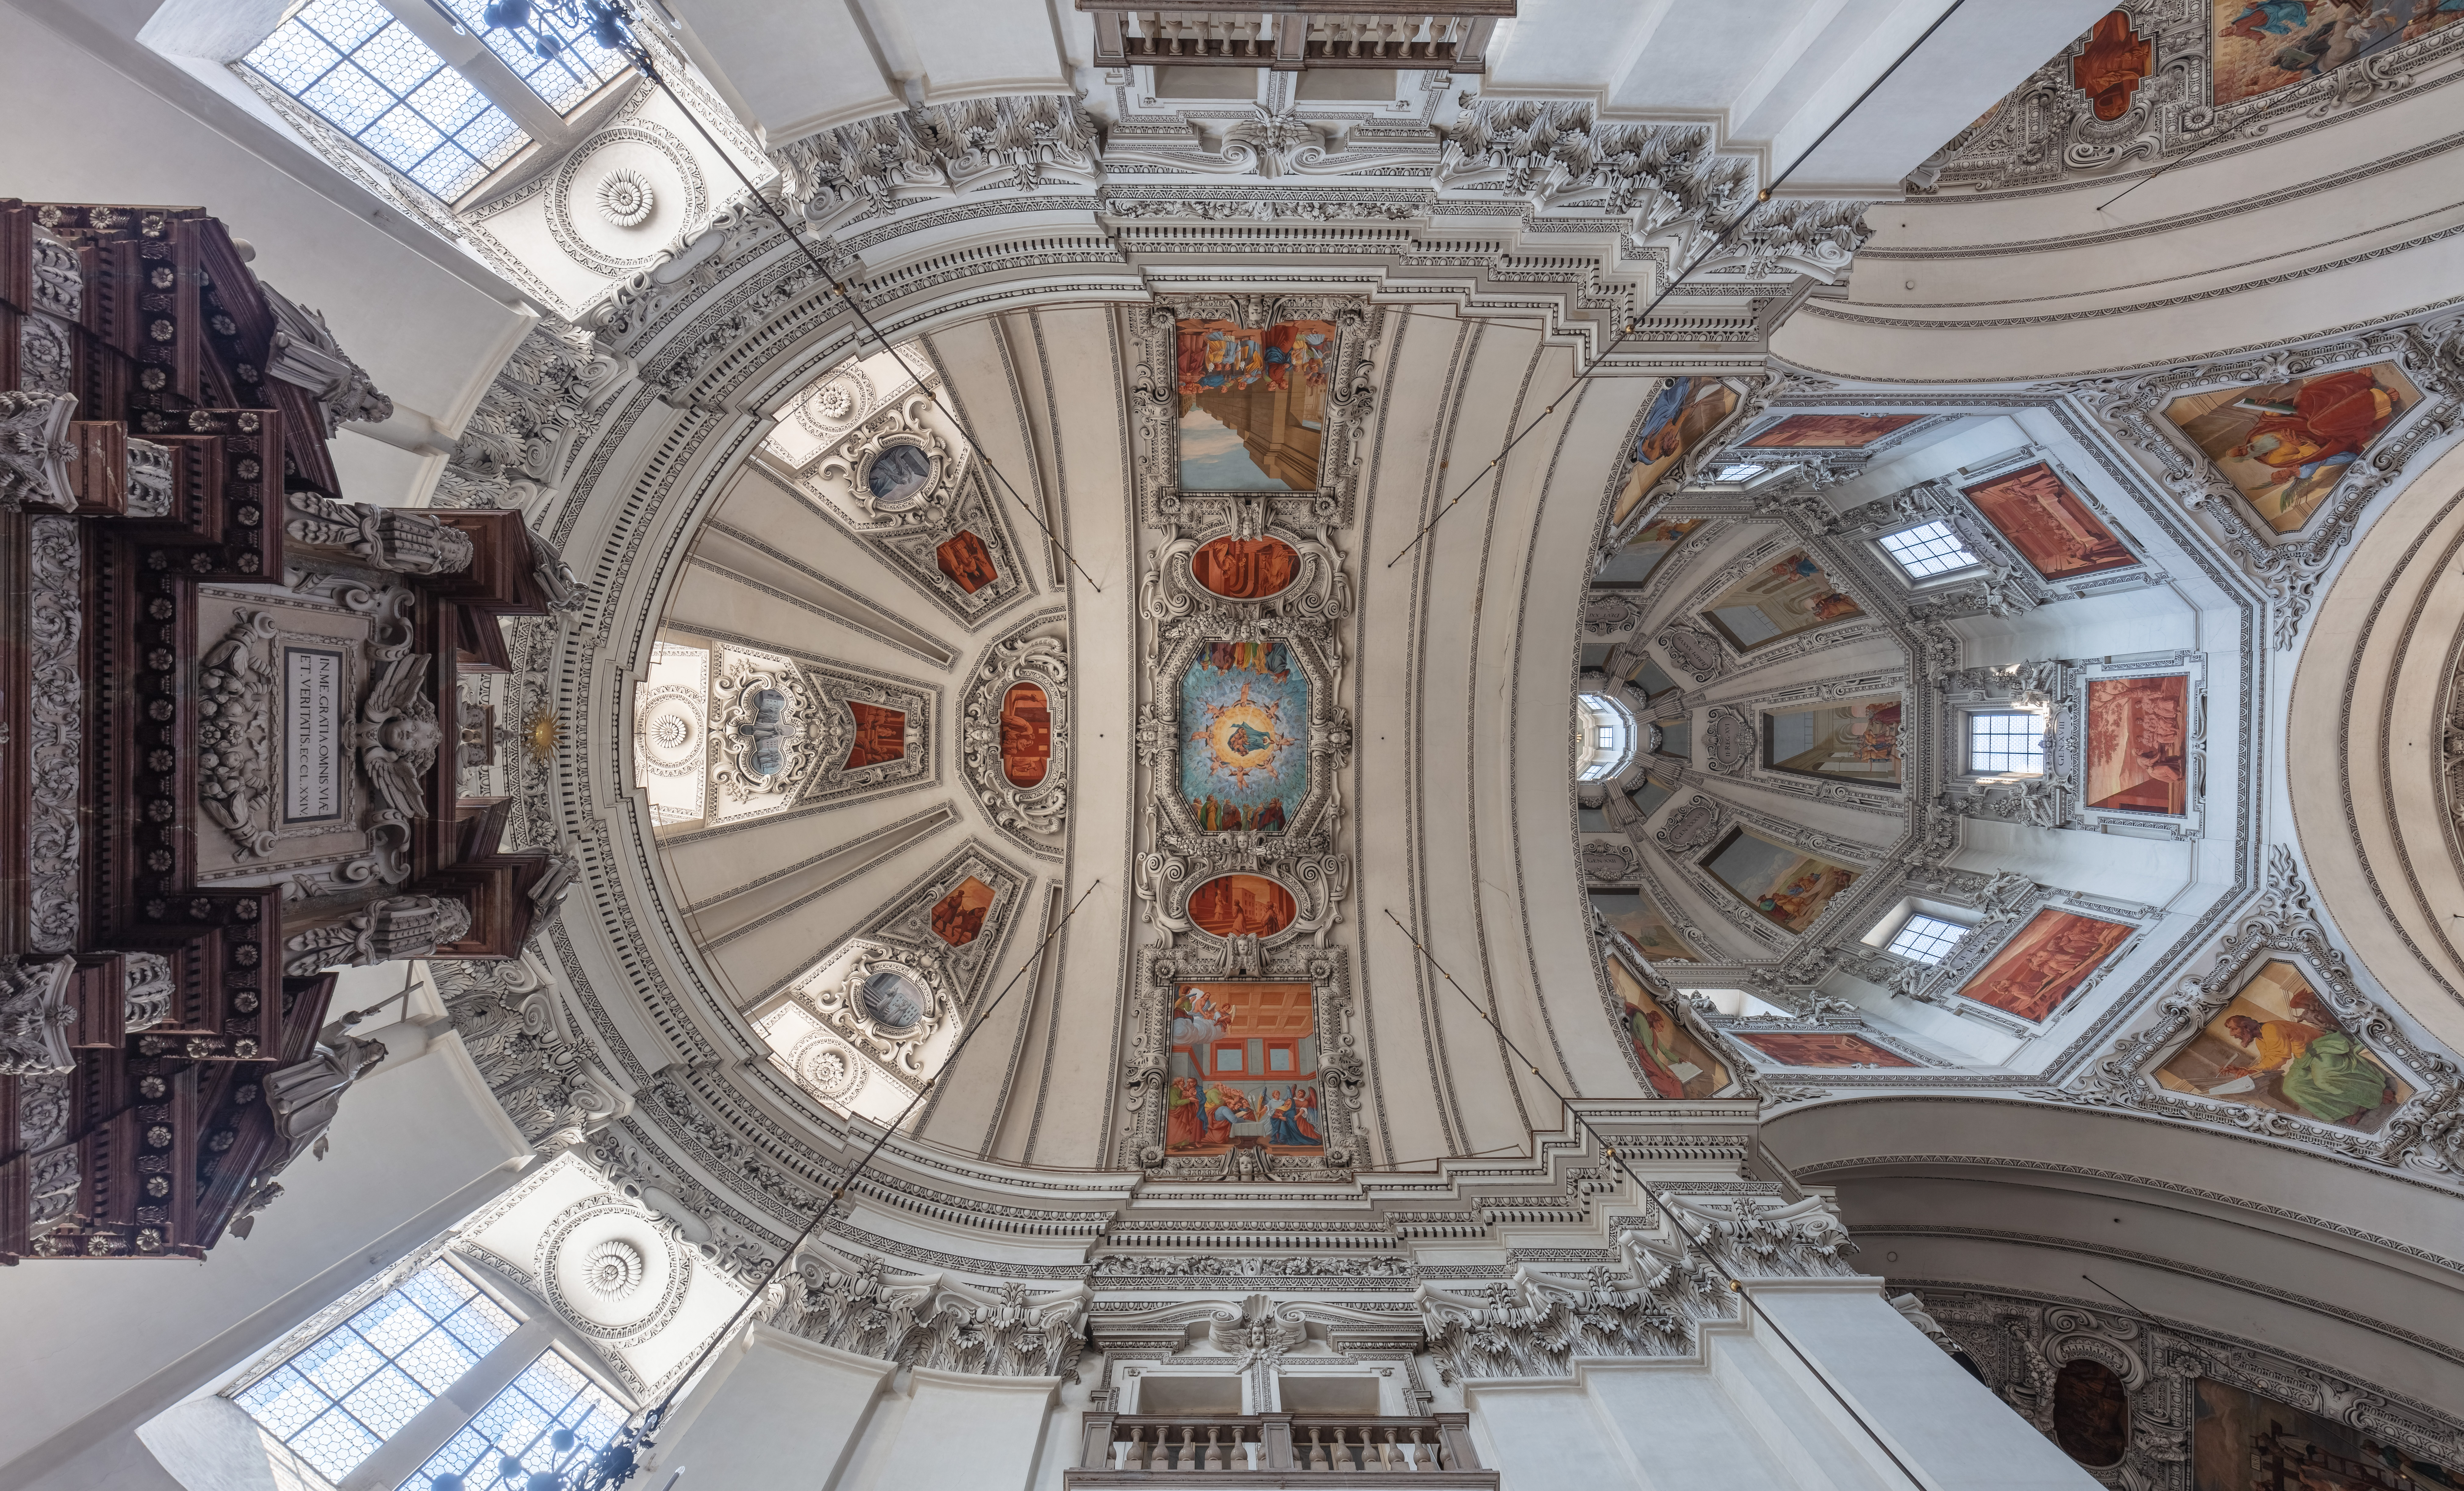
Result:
[[2240, 1440], [1675, 1064], [2277, 1046], [1681, 415], [1847, 740], [1252, 404], [1781, 600], [2044, 964], [965, 563], [1632, 913], [880, 735], [2285, 445], [2138, 743], [958, 917], [2110, 68], [1243, 906], [2048, 524], [1830, 431], [1244, 569], [2260, 46], [897, 476], [1244, 737], [1243, 1070], [1025, 734], [1784, 883], [1820, 1048], [1651, 544]]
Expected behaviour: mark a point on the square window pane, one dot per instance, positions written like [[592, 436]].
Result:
[[448, 100], [397, 60], [402, 138], [436, 1361], [2012, 743], [292, 58], [1927, 939], [492, 138], [391, 1323], [349, 98], [1927, 550], [438, 1291], [346, 23], [282, 1401], [343, 1363], [449, 173], [334, 1445], [480, 1325], [385, 1402]]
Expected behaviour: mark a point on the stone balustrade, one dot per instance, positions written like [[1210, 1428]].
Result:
[[1273, 1449]]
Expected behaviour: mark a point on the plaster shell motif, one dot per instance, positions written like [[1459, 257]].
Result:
[[610, 1270], [629, 190]]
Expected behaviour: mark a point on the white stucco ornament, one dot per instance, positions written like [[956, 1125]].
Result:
[[626, 198], [614, 1269]]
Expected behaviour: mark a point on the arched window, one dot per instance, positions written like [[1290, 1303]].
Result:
[[1604, 737]]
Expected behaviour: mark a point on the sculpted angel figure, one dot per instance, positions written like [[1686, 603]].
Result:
[[399, 735]]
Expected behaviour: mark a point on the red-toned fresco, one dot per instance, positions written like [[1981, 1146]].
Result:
[[1832, 432], [1821, 1048], [880, 735], [1025, 734], [964, 558], [958, 917], [2112, 66], [1244, 569], [1243, 905], [2039, 968]]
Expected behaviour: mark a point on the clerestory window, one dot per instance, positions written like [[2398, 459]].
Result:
[[346, 1392], [1604, 737], [1927, 550], [550, 1421], [1927, 939], [364, 71], [2009, 742]]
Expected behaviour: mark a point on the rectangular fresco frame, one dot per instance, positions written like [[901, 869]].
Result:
[[2071, 728], [1154, 413], [1609, 950], [1943, 982], [1160, 974]]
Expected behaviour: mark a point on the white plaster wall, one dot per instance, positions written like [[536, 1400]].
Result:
[[95, 1351], [776, 1411], [950, 1429]]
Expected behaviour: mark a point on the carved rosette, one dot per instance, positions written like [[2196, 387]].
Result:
[[998, 740]]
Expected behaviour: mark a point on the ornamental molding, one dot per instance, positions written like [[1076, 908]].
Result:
[[844, 174], [1650, 1301], [397, 540], [592, 1259], [2045, 133], [55, 733], [932, 1321], [2288, 567], [1342, 1068], [516, 1030], [35, 450], [922, 534], [390, 928], [1033, 815], [839, 1002], [36, 1016], [306, 354], [568, 192], [2020, 1343], [2426, 1133], [921, 917], [2058, 798]]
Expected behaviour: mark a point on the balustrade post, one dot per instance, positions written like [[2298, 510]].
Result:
[[1275, 1432], [1095, 1451], [1454, 1432]]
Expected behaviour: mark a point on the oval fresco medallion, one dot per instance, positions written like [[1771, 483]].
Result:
[[1244, 737], [1244, 569], [1025, 734], [898, 475], [1231, 905], [892, 1000]]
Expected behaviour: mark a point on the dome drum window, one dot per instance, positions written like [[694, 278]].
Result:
[[1605, 736]]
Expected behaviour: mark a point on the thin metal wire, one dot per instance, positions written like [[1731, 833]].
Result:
[[640, 57], [1668, 1205], [839, 1191], [1635, 324]]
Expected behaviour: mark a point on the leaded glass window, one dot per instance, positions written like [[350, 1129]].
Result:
[[550, 1418]]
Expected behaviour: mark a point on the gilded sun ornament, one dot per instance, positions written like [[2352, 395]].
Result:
[[542, 732]]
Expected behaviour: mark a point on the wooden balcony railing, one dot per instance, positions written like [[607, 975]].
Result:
[[1273, 1449]]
